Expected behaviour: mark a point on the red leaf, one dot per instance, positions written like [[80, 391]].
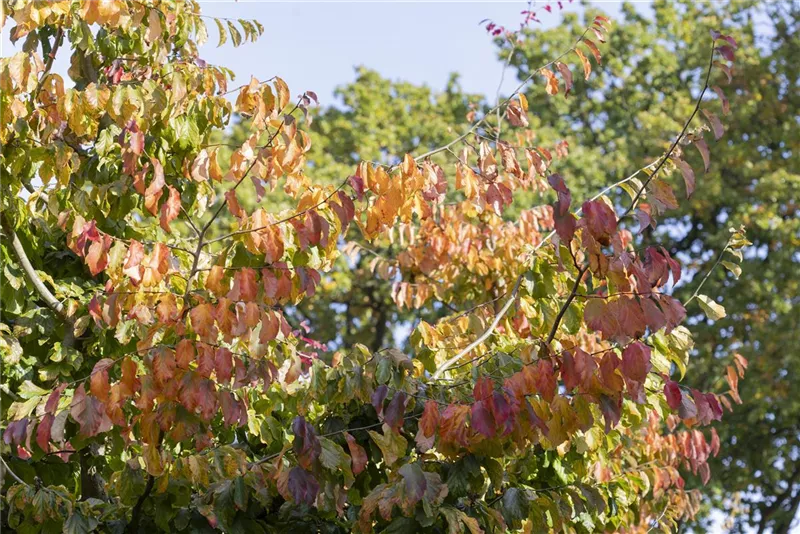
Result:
[[653, 315], [415, 482], [52, 401], [673, 393], [714, 442], [636, 361], [358, 455], [578, 370], [481, 419], [430, 419], [43, 432], [726, 69], [97, 257], [99, 385], [233, 413], [552, 82], [170, 209], [612, 411], [184, 353], [164, 366], [233, 204], [587, 66], [223, 365], [726, 51], [245, 285], [128, 383], [564, 196], [545, 380], [674, 312], [202, 317], [357, 183], [600, 220]]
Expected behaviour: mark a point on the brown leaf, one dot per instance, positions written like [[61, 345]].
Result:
[[726, 108], [702, 147], [587, 65], [716, 124], [567, 75], [688, 175], [358, 455], [593, 47]]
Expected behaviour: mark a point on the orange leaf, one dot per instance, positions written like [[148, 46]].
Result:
[[587, 66], [154, 190], [358, 455], [170, 209], [552, 82], [593, 47]]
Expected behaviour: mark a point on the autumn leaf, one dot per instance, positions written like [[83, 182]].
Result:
[[587, 66], [170, 209], [357, 454]]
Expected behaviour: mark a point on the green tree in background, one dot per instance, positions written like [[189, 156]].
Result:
[[754, 179]]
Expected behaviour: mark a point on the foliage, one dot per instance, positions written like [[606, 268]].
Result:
[[752, 179], [156, 383]]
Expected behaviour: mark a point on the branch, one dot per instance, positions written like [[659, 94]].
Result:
[[449, 363], [445, 366], [12, 473], [566, 304], [133, 526], [497, 318], [677, 139], [708, 274], [52, 302], [497, 107]]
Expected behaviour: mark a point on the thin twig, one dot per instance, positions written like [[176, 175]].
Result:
[[12, 473], [708, 274]]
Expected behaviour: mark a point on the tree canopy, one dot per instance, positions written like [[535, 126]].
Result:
[[163, 367]]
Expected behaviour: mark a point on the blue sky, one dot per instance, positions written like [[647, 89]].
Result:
[[316, 45]]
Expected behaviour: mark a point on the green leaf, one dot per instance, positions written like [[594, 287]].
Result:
[[736, 270], [712, 310], [79, 524], [392, 444], [515, 505]]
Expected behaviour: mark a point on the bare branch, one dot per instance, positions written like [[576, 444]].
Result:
[[52, 302]]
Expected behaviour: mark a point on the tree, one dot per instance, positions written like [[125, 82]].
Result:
[[752, 179], [153, 381]]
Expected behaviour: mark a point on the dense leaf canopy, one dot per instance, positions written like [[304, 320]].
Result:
[[197, 327]]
